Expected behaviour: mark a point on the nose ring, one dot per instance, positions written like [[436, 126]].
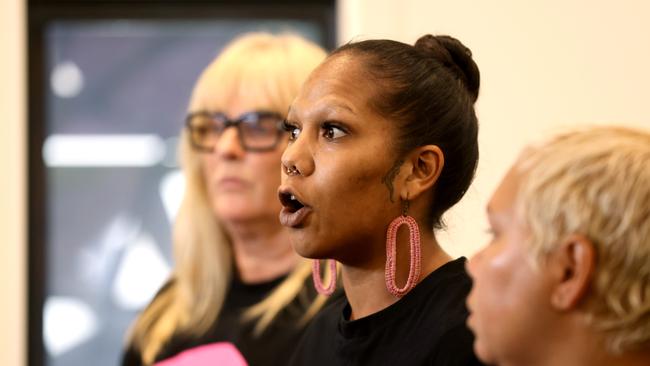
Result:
[[291, 171]]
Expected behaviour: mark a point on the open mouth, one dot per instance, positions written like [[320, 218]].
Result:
[[290, 202], [294, 213]]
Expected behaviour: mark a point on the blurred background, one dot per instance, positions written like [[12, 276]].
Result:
[[91, 185]]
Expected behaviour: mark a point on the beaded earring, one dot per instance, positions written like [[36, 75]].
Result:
[[318, 283], [391, 253]]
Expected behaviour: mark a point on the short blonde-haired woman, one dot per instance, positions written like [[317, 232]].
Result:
[[565, 279], [237, 293]]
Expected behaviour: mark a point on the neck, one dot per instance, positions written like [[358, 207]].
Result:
[[596, 357], [261, 250], [365, 285], [579, 345]]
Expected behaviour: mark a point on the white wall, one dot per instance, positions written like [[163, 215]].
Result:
[[12, 184], [545, 65]]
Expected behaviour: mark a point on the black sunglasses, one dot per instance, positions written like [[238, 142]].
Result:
[[258, 131]]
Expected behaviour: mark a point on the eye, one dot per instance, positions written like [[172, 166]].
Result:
[[293, 130], [493, 234], [332, 131]]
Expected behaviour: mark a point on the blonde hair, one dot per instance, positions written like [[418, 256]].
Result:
[[256, 65], [596, 182]]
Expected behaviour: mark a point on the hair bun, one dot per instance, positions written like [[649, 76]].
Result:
[[455, 56]]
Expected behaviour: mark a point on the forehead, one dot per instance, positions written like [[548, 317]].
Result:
[[504, 198], [234, 93], [338, 83], [233, 102]]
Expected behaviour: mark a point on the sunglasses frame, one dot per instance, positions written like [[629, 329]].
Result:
[[237, 124]]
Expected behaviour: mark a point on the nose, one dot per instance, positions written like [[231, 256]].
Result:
[[471, 263], [228, 145], [297, 158]]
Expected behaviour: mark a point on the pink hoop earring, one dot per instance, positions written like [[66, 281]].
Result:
[[391, 254], [318, 283]]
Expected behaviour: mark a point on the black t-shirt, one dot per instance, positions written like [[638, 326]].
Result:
[[273, 347], [425, 327]]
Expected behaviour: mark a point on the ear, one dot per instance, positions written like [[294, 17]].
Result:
[[422, 168], [572, 267]]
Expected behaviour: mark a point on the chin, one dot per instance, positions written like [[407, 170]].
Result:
[[234, 215], [305, 247], [233, 210], [482, 353], [300, 245]]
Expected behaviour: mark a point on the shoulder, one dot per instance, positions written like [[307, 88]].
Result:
[[456, 348], [435, 313], [446, 304], [443, 292], [329, 315]]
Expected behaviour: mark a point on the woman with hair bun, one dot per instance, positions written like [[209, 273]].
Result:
[[383, 141]]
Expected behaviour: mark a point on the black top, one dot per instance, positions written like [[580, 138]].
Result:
[[273, 347], [425, 327]]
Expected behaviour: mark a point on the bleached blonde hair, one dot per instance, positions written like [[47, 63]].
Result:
[[255, 65], [596, 182]]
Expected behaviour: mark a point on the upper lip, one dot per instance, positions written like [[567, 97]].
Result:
[[289, 198], [468, 305]]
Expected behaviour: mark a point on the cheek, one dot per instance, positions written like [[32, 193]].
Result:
[[506, 305], [267, 169], [352, 189], [347, 196], [497, 283], [486, 311], [265, 172], [207, 166], [489, 281]]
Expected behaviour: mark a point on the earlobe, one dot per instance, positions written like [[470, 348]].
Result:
[[573, 264], [426, 163]]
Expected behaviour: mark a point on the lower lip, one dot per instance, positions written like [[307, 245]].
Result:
[[294, 219], [230, 184]]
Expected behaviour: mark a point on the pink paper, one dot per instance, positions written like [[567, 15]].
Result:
[[215, 354]]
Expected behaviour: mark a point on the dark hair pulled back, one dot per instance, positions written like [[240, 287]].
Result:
[[429, 89]]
